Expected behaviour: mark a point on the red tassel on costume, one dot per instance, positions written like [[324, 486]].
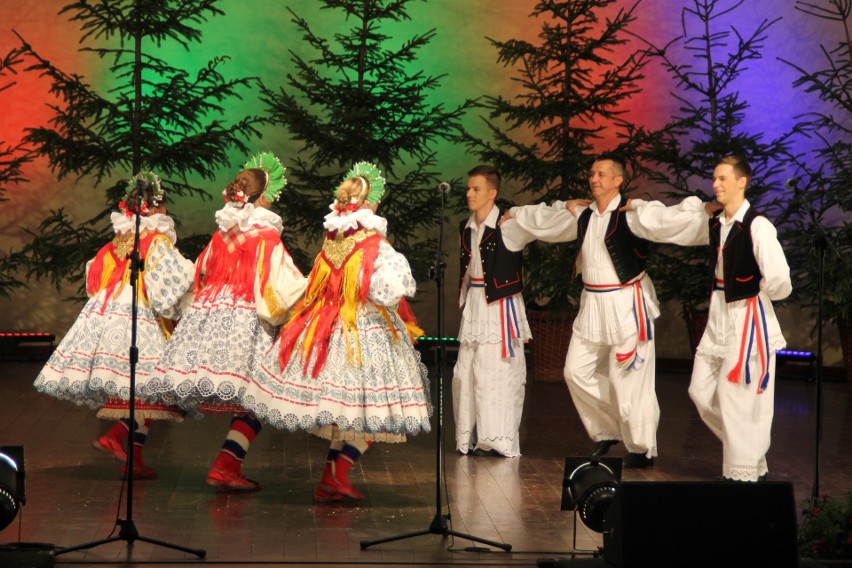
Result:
[[231, 259], [404, 312], [314, 322], [368, 266], [120, 270]]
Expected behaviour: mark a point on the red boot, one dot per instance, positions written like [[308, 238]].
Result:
[[326, 491], [113, 442], [110, 446], [230, 481], [340, 479], [140, 470], [226, 476]]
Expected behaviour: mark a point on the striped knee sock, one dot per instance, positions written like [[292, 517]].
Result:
[[243, 431]]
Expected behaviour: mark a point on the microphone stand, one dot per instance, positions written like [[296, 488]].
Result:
[[128, 532], [439, 523], [820, 244]]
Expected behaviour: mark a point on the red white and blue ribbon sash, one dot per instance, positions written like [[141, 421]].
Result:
[[509, 328], [754, 331], [645, 331]]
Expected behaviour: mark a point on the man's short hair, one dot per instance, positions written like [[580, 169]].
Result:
[[740, 166], [620, 164], [490, 173]]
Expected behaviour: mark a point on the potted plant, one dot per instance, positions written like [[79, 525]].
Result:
[[825, 532], [545, 139]]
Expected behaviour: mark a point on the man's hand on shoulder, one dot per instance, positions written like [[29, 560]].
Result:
[[572, 205], [506, 216], [711, 207]]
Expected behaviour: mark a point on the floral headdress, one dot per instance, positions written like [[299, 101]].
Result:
[[375, 186], [275, 180], [157, 193]]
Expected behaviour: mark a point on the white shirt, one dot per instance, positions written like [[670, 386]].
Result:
[[726, 320], [481, 321], [605, 318]]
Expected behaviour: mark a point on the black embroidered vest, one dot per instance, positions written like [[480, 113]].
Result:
[[501, 267], [741, 271], [628, 252]]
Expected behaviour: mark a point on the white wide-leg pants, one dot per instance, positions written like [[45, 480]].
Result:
[[735, 413], [488, 398], [614, 403]]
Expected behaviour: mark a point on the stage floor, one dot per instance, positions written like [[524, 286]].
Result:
[[73, 492]]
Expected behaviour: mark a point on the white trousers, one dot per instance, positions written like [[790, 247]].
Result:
[[614, 403], [735, 413], [488, 398]]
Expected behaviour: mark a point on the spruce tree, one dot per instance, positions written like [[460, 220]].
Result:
[[362, 98], [710, 124], [156, 117], [573, 95], [13, 156], [822, 207]]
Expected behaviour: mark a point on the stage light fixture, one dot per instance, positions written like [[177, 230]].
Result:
[[12, 494], [588, 488]]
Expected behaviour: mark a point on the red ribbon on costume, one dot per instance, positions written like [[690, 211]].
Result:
[[121, 269], [644, 329], [754, 327], [509, 328], [231, 260]]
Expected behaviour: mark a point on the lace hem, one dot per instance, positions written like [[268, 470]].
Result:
[[742, 472]]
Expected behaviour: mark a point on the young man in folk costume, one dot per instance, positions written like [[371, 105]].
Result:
[[733, 379], [245, 281], [610, 365], [490, 373], [344, 367], [91, 365]]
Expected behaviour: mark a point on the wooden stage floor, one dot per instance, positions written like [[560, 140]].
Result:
[[73, 491]]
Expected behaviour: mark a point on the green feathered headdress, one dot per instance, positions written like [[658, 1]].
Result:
[[267, 162], [150, 179], [374, 179]]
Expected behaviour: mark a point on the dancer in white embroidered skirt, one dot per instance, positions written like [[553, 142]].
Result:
[[90, 366], [344, 367], [245, 282]]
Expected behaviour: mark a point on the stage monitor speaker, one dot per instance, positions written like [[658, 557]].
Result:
[[27, 555], [701, 524]]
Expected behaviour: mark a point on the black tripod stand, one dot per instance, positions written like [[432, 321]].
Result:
[[128, 532], [439, 521], [821, 243]]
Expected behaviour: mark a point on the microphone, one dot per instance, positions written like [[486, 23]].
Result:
[[444, 187]]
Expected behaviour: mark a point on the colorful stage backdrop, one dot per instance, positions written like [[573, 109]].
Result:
[[258, 36]]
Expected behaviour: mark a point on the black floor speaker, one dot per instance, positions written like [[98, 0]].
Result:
[[27, 555], [701, 524]]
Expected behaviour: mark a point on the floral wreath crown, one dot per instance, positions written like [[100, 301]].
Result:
[[275, 180], [150, 179], [371, 175]]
